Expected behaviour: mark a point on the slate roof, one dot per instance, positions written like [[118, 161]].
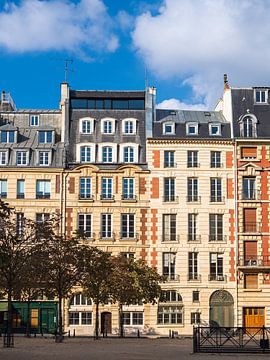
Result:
[[100, 94]]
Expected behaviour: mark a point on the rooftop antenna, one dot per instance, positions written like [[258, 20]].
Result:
[[67, 69], [145, 77]]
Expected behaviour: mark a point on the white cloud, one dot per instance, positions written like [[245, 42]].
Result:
[[196, 41], [175, 104], [36, 25]]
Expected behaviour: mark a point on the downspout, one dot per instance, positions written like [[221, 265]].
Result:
[[236, 226]]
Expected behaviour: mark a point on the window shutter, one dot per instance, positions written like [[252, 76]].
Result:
[[250, 220], [251, 281], [249, 152], [250, 250]]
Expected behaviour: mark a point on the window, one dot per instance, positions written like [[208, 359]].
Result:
[[107, 126], [215, 227], [129, 127], [251, 281], [192, 189], [193, 266], [43, 189], [248, 188], [85, 225], [127, 226], [20, 189], [250, 220], [128, 189], [74, 318], [44, 158], [34, 120], [192, 129], [19, 223], [7, 136], [168, 128], [106, 225], [128, 154], [249, 153], [133, 318], [128, 255], [168, 265], [215, 159], [86, 318], [42, 217], [107, 152], [169, 159], [192, 227], [195, 296], [86, 154], [192, 158], [3, 189], [214, 129], [215, 190], [3, 157], [248, 127], [45, 137], [106, 189], [170, 296], [195, 318], [170, 315], [79, 300], [261, 96], [86, 126], [169, 189], [22, 157], [216, 267], [85, 188], [169, 227]]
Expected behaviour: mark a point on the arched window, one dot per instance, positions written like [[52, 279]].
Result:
[[86, 154], [248, 126], [128, 154], [79, 300]]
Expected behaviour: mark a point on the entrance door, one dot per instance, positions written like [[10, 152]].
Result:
[[221, 309], [106, 322], [47, 320], [253, 317]]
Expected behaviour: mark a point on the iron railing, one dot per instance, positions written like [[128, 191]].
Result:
[[254, 261]]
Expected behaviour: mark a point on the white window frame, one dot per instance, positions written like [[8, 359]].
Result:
[[128, 226], [3, 155], [88, 185], [103, 121], [108, 230], [26, 158], [8, 136], [78, 152], [91, 125], [49, 157], [34, 120], [211, 126], [189, 125], [114, 152], [135, 152], [46, 136], [131, 318], [170, 123], [85, 218], [260, 91], [131, 121], [43, 185], [108, 181], [3, 184]]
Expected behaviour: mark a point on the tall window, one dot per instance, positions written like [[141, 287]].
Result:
[[215, 190], [215, 227], [85, 188], [106, 188], [169, 189], [3, 157], [169, 227], [192, 158], [192, 189], [216, 267], [44, 158], [169, 158], [129, 127], [248, 127], [106, 225], [170, 308], [128, 189], [19, 223], [3, 189], [193, 266], [85, 225], [168, 265], [248, 186], [43, 189], [20, 189], [22, 157], [45, 137], [107, 127], [195, 318], [127, 225], [34, 120], [86, 126], [192, 227], [7, 136], [86, 154], [128, 154], [215, 159], [250, 220], [107, 154]]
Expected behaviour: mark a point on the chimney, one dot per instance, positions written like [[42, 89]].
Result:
[[226, 85]]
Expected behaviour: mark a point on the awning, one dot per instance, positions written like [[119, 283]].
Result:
[[3, 306]]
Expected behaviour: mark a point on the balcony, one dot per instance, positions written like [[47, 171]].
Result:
[[251, 195], [217, 238], [43, 196], [254, 262], [129, 237], [194, 277], [216, 165], [88, 197], [193, 238], [193, 165], [251, 227], [216, 277], [173, 238], [3, 195], [193, 199], [170, 165], [107, 235], [171, 277], [129, 198], [106, 197], [170, 199], [217, 199], [20, 196]]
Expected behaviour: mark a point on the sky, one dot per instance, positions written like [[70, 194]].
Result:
[[182, 47]]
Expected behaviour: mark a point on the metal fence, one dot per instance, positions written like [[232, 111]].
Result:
[[231, 340]]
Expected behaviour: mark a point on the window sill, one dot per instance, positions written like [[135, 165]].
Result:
[[252, 290], [170, 325]]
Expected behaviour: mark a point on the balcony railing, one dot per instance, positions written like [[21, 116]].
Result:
[[130, 236], [20, 196], [129, 197], [217, 199], [193, 164], [217, 237], [216, 165], [3, 195], [193, 198], [174, 238], [107, 197], [216, 277], [109, 235], [252, 195], [89, 197], [42, 196], [171, 277], [170, 165], [194, 277], [170, 198], [254, 261], [193, 237], [251, 227]]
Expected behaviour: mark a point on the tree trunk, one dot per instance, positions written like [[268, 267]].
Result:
[[97, 322], [28, 323], [121, 322], [60, 320], [9, 318]]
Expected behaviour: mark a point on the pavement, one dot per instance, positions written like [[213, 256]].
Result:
[[110, 349]]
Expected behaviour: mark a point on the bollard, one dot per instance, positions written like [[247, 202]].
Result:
[[73, 332], [35, 334], [170, 333], [69, 333]]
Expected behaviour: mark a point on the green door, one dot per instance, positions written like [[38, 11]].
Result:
[[48, 320], [221, 309]]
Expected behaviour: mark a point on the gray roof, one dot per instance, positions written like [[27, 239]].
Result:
[[102, 94]]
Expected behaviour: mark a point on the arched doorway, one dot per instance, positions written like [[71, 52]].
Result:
[[221, 309], [106, 323]]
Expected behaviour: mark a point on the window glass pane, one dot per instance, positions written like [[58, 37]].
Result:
[[79, 103], [120, 104], [136, 104], [99, 104]]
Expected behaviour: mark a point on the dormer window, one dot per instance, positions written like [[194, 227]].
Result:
[[215, 129], [168, 128], [129, 126], [108, 126], [7, 136], [261, 96], [86, 126], [248, 126], [192, 129], [128, 154], [22, 157], [3, 157], [34, 120], [45, 137], [107, 154]]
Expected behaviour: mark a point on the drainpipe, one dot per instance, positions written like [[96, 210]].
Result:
[[236, 225]]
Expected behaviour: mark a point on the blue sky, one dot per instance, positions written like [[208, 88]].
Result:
[[186, 46]]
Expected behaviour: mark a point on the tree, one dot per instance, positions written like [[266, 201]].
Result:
[[96, 281], [133, 282], [16, 248]]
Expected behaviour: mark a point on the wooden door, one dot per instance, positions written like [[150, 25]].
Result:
[[106, 322], [253, 317], [250, 252], [250, 220]]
